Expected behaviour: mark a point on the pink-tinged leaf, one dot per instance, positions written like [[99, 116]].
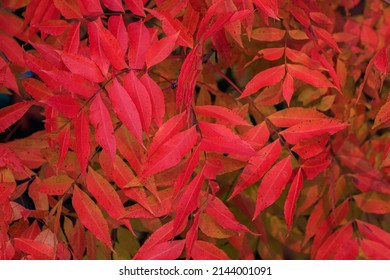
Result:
[[68, 8], [114, 5], [203, 250], [11, 114], [38, 90], [90, 7], [171, 152], [326, 37], [221, 113], [73, 39], [374, 250], [264, 78], [313, 167], [63, 140], [188, 202], [104, 130], [268, 34], [125, 108], [334, 242], [64, 104], [258, 165], [83, 66], [257, 136], [117, 27], [96, 48], [136, 7], [295, 115], [292, 198], [170, 128], [83, 146], [188, 169], [192, 235], [140, 97], [12, 50], [272, 185], [288, 88], [161, 235], [223, 216], [311, 147], [91, 216], [349, 250], [172, 26], [374, 233], [309, 76], [37, 249], [169, 250], [383, 115], [160, 50], [53, 27], [312, 128], [272, 53], [55, 185], [112, 48], [373, 202], [156, 97], [106, 196], [139, 42]]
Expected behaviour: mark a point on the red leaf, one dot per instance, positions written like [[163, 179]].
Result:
[[156, 97], [311, 147], [83, 66], [264, 78], [73, 39], [268, 8], [222, 113], [118, 28], [53, 27], [96, 48], [373, 202], [171, 152], [272, 53], [38, 90], [68, 8], [258, 165], [65, 104], [302, 58], [272, 185], [161, 235], [112, 48], [91, 216], [160, 50], [136, 7], [139, 42], [203, 250], [217, 209], [125, 108], [348, 250], [104, 131], [37, 250], [374, 250], [55, 185], [268, 34], [326, 37], [374, 233], [90, 7], [106, 196], [312, 128], [380, 60], [309, 76], [257, 136], [192, 235], [63, 140], [188, 202], [315, 166], [292, 198], [383, 115], [295, 115], [140, 96], [11, 50], [114, 5], [333, 243], [83, 146], [11, 114], [288, 88], [169, 250], [172, 26]]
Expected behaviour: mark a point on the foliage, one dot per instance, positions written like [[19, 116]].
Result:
[[229, 129]]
